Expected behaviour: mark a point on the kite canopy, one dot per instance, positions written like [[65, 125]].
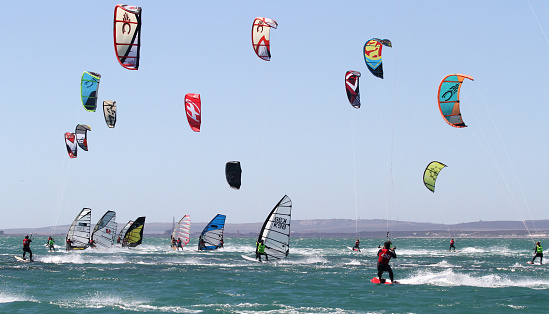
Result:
[[372, 55], [127, 35], [70, 142], [351, 85], [81, 133], [88, 90], [193, 109], [233, 173], [431, 173], [261, 33], [109, 109], [448, 99]]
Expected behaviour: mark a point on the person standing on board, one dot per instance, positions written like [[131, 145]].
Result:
[[260, 250], [539, 252], [452, 245], [384, 256], [179, 246], [26, 247], [50, 244], [357, 245], [69, 244]]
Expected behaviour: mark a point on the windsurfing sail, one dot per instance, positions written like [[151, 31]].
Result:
[[233, 174], [431, 173], [372, 55], [88, 90], [70, 142], [134, 235], [123, 232], [211, 237], [127, 35], [275, 232], [351, 85], [109, 109], [193, 109], [261, 33], [105, 230], [81, 133], [182, 230], [78, 236], [448, 99]]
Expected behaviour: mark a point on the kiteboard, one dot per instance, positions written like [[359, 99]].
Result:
[[352, 249], [530, 262], [20, 259], [251, 259], [387, 282]]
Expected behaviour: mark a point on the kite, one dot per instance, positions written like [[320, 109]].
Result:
[[109, 109], [431, 173], [233, 173], [193, 110], [372, 55], [351, 85], [81, 133], [261, 32], [88, 90], [70, 142], [448, 99], [127, 35]]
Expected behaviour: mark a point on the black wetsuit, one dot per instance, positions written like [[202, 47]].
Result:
[[383, 262], [26, 248]]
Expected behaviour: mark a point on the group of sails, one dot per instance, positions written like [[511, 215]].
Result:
[[104, 233]]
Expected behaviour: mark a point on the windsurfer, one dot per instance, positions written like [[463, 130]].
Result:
[[69, 244], [384, 255], [91, 243], [50, 244], [26, 247], [539, 252], [260, 250], [452, 245], [179, 244], [174, 242], [357, 245]]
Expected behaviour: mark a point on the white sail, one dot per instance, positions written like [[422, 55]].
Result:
[[276, 230], [182, 230], [79, 231], [104, 232], [212, 235]]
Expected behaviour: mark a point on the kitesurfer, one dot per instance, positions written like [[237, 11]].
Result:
[[384, 255], [539, 252], [26, 247], [50, 244], [452, 245], [357, 245], [260, 250], [179, 244]]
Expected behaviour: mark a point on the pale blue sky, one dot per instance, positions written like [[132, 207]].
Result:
[[287, 121]]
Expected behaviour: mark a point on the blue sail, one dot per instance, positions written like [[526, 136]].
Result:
[[212, 236]]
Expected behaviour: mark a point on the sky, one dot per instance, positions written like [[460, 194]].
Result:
[[288, 121]]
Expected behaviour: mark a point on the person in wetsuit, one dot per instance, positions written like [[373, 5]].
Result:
[[179, 244], [50, 244], [539, 252], [26, 247], [452, 245], [384, 256], [357, 245], [260, 250]]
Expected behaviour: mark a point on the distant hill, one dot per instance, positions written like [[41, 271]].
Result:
[[346, 227]]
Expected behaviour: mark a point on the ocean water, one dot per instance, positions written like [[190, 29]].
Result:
[[319, 276]]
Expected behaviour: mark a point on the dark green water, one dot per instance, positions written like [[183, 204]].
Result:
[[319, 276]]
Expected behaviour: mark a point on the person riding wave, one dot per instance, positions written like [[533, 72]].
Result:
[[357, 245], [384, 256]]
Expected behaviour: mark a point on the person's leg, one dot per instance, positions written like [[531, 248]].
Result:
[[391, 273]]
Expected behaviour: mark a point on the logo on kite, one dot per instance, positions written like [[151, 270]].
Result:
[[431, 173], [351, 85], [261, 32], [70, 142], [193, 110], [448, 99], [372, 55], [233, 174], [81, 134], [127, 35], [109, 110], [89, 87]]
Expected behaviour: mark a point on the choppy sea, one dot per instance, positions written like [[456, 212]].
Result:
[[319, 276]]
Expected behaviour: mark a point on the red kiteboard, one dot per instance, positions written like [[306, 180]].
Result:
[[387, 282]]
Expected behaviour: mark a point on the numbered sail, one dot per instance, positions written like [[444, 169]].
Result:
[[351, 86], [233, 174], [134, 235], [109, 110], [448, 99], [127, 35], [81, 133], [78, 236], [261, 34], [431, 173], [182, 230], [193, 108], [70, 142], [275, 232], [211, 237], [89, 88], [105, 230], [372, 55], [123, 232]]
